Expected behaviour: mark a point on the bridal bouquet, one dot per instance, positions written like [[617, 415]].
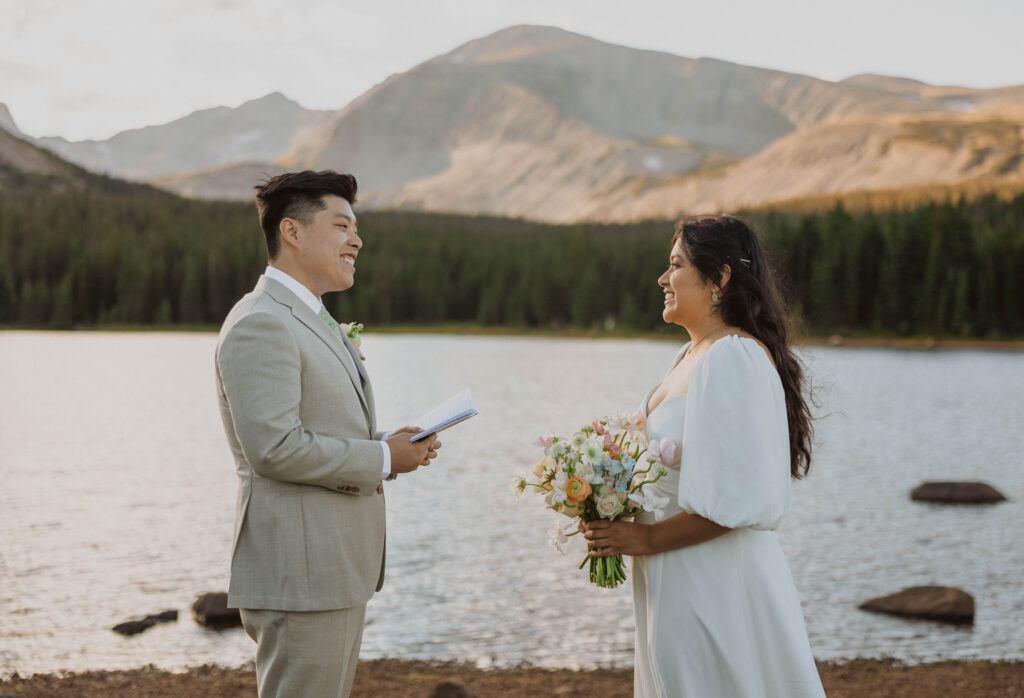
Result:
[[601, 472]]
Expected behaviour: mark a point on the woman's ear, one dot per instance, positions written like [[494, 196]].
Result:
[[726, 275]]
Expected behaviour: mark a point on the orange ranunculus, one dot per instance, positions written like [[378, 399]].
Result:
[[576, 490]]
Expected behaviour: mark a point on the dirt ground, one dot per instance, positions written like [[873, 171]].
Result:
[[392, 677]]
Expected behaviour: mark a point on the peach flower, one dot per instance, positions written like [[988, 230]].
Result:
[[576, 490]]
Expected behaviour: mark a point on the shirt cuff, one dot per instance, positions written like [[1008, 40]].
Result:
[[386, 471]]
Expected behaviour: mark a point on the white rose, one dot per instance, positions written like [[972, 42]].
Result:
[[608, 506]]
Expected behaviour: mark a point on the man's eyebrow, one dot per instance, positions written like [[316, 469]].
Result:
[[345, 216]]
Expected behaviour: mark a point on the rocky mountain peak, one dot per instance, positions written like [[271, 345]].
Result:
[[7, 121], [515, 43]]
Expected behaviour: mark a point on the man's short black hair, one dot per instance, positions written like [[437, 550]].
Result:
[[298, 195]]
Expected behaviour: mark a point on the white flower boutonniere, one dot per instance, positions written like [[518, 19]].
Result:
[[352, 331]]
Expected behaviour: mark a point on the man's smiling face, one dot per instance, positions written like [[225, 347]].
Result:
[[329, 245]]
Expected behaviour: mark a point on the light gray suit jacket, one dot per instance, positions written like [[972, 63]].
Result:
[[309, 521]]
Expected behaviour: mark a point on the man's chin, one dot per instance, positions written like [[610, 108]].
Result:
[[345, 283]]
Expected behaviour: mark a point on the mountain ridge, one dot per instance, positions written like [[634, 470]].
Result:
[[541, 122]]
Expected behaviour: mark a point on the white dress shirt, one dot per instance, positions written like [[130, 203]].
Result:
[[315, 304]]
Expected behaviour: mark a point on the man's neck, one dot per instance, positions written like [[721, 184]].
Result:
[[296, 287], [294, 271]]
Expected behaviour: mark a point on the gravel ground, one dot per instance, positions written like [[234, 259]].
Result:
[[393, 677]]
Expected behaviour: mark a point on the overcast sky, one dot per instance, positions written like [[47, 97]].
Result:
[[83, 69]]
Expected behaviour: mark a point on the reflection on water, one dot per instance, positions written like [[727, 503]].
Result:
[[118, 498]]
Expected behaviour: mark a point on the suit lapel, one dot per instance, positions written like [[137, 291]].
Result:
[[356, 354], [304, 314]]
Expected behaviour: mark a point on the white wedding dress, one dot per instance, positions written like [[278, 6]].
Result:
[[722, 619]]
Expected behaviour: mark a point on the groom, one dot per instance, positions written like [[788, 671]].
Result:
[[298, 410]]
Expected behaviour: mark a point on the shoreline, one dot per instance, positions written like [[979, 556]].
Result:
[[814, 340], [856, 678]]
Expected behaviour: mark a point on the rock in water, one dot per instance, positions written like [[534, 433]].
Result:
[[957, 493], [163, 616], [448, 689], [133, 627], [947, 604], [212, 611]]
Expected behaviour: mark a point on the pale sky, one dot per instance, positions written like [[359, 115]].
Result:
[[88, 69]]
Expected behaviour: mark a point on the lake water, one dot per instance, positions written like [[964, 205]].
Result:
[[117, 500]]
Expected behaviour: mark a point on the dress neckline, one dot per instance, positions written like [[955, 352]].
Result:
[[668, 399], [682, 354]]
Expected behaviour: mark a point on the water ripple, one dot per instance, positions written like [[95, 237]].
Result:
[[120, 516]]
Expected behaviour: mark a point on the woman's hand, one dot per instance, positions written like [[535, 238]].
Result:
[[616, 537]]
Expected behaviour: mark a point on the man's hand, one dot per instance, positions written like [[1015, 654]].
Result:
[[406, 456]]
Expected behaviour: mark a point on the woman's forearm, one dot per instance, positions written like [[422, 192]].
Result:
[[681, 531]]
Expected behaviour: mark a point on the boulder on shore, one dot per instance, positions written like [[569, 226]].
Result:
[[947, 604], [450, 689], [957, 493], [212, 611]]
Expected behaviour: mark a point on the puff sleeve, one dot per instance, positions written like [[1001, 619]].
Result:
[[735, 466]]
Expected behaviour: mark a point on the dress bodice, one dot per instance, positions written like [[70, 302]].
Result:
[[666, 422], [737, 468]]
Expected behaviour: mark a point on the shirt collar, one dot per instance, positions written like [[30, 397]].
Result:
[[296, 287]]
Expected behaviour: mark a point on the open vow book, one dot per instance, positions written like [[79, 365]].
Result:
[[447, 414]]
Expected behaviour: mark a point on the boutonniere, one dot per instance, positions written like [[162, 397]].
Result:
[[352, 331]]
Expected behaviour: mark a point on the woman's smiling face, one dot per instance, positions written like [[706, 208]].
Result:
[[687, 294]]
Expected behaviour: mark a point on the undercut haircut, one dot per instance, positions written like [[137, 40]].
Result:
[[297, 195]]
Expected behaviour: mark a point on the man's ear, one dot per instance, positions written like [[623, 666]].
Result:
[[290, 232]]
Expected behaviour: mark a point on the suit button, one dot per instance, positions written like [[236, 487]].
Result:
[[380, 488]]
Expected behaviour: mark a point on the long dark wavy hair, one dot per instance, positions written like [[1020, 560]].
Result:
[[751, 301]]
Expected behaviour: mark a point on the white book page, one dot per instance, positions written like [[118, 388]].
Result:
[[450, 412]]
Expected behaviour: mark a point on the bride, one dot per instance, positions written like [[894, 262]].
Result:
[[717, 613]]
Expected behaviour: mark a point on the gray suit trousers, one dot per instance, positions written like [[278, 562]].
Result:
[[305, 654]]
